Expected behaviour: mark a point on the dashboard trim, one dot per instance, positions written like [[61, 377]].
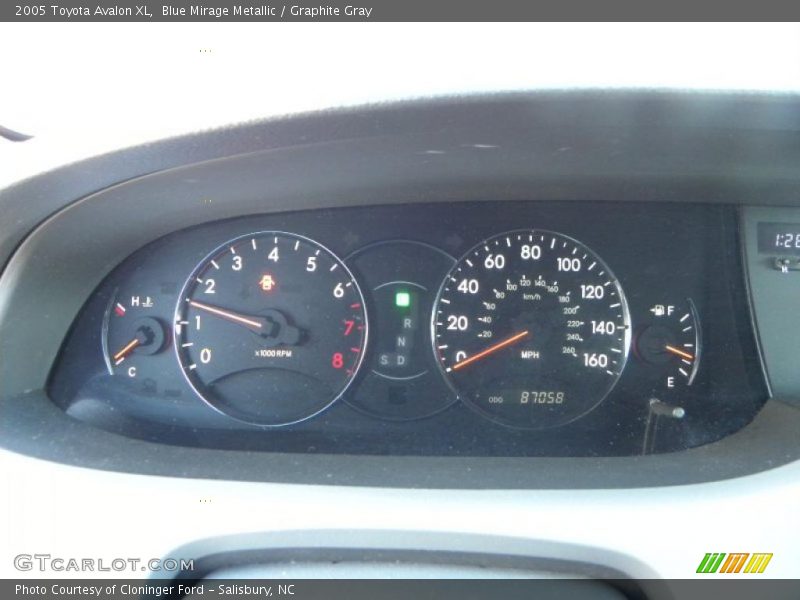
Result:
[[768, 442]]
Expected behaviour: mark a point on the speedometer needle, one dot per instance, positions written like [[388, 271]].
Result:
[[226, 314], [490, 350]]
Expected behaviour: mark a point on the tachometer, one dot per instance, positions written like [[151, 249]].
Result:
[[270, 328], [531, 328]]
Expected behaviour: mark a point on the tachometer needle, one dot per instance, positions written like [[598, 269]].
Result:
[[491, 349], [678, 352], [119, 356], [226, 314]]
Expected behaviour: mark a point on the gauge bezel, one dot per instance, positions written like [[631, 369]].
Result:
[[202, 265], [698, 341], [355, 255], [105, 329], [626, 317]]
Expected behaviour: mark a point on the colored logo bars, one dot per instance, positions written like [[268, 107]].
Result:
[[719, 562]]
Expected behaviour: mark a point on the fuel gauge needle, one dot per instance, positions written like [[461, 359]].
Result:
[[678, 352], [491, 350], [129, 347]]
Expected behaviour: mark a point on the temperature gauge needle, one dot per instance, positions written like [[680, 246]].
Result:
[[678, 352], [120, 356], [490, 350]]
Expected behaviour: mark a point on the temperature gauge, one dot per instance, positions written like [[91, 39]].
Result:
[[672, 342], [131, 333]]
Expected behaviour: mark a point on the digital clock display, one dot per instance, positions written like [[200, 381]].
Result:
[[779, 238]]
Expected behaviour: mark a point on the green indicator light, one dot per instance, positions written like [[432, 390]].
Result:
[[402, 299]]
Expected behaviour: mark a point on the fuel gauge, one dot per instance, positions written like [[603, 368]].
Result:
[[672, 342]]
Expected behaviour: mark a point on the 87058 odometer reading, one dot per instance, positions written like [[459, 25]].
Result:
[[531, 328]]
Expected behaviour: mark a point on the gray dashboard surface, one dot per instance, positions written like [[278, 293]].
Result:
[[725, 147], [70, 227]]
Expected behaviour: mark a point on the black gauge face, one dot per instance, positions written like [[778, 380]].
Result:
[[400, 380], [531, 328], [271, 328], [671, 342], [132, 335]]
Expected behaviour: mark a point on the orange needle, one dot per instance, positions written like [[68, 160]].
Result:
[[679, 352], [226, 314], [490, 350], [130, 346]]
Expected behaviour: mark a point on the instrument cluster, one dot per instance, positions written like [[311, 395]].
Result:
[[489, 329]]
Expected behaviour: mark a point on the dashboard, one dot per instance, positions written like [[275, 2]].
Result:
[[479, 329], [465, 284], [463, 330]]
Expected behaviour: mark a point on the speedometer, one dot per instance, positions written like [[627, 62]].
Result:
[[531, 328]]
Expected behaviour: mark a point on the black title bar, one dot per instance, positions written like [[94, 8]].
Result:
[[397, 10]]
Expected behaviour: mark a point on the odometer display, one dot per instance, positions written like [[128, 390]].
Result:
[[531, 328], [270, 328]]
